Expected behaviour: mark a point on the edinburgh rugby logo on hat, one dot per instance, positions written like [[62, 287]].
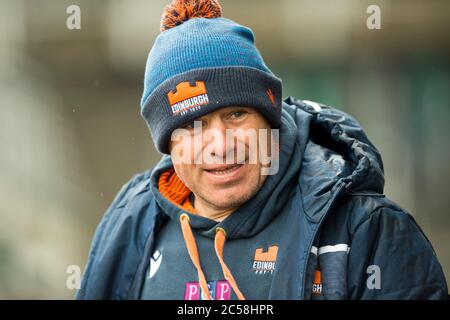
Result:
[[187, 98]]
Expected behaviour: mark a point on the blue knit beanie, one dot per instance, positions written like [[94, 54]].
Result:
[[199, 66]]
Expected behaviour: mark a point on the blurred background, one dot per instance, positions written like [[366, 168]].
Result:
[[71, 134]]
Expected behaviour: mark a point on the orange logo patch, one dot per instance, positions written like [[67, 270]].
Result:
[[271, 96], [187, 97], [265, 261], [317, 283]]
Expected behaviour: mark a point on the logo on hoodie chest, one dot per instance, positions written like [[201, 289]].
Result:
[[265, 261], [155, 263]]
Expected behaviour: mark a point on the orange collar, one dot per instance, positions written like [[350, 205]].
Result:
[[174, 190]]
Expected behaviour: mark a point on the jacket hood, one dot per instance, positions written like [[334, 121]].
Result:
[[338, 156], [321, 151]]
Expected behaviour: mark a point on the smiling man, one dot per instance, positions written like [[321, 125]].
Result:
[[255, 197], [219, 186]]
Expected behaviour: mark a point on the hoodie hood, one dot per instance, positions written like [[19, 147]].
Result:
[[321, 152]]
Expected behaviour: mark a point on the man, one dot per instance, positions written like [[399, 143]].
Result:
[[256, 197]]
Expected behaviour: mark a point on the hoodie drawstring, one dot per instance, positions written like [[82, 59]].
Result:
[[219, 243], [193, 253]]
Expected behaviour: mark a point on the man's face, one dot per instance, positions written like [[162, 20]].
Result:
[[223, 172]]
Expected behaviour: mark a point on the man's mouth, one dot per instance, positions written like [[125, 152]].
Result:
[[224, 169]]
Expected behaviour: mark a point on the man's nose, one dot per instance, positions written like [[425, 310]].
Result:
[[215, 137]]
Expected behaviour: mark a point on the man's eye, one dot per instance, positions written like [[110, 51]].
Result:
[[194, 124], [238, 114], [189, 125]]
